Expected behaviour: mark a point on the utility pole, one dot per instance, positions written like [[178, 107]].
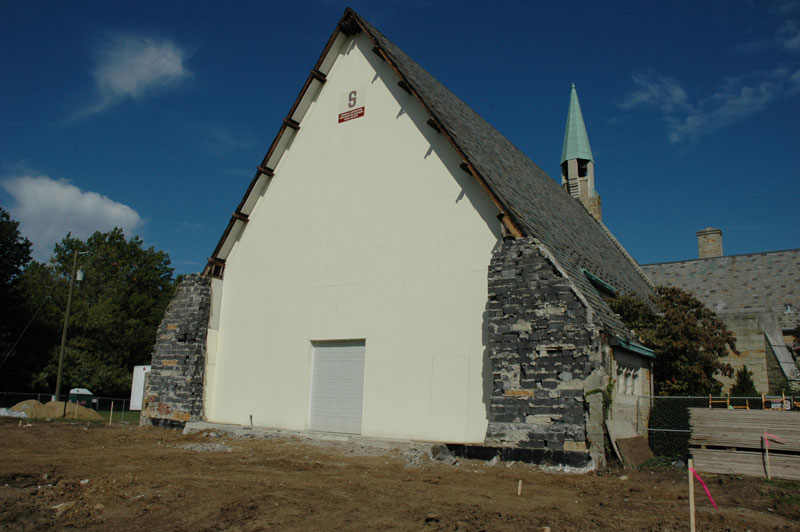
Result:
[[66, 323]]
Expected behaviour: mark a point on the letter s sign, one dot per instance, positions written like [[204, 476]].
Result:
[[351, 99]]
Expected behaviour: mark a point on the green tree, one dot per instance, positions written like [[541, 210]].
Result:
[[688, 339], [39, 317], [115, 312], [15, 253], [744, 386]]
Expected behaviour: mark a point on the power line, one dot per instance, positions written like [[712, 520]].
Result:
[[50, 293]]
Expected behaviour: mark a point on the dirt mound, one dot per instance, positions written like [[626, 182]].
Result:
[[32, 407], [55, 409], [69, 476]]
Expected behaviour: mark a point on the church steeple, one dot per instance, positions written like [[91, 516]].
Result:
[[577, 163]]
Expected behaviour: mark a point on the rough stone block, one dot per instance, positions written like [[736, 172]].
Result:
[[175, 384]]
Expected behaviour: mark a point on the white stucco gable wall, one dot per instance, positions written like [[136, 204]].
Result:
[[369, 230]]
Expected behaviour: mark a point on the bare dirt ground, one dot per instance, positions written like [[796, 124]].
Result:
[[90, 477]]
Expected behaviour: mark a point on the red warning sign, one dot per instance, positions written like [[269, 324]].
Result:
[[351, 115]]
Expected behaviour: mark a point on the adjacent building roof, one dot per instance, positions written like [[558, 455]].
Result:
[[530, 202], [784, 357], [739, 284], [576, 141]]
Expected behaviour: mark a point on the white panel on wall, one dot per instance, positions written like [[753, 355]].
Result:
[[137, 387]]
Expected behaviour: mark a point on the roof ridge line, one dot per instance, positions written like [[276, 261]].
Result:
[[624, 251], [723, 256]]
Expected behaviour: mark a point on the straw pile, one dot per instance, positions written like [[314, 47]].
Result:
[[31, 407], [55, 409]]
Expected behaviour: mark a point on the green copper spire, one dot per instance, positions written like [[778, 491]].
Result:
[[576, 141]]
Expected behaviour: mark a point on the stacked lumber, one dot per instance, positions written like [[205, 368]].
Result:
[[731, 442]]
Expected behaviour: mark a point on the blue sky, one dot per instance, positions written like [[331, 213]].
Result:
[[153, 115]]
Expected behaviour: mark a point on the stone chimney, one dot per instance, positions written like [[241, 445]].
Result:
[[709, 243]]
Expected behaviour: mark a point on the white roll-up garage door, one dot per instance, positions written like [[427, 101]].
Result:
[[337, 386]]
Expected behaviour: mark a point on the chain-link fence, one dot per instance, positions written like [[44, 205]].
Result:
[[668, 427], [110, 408], [9, 399]]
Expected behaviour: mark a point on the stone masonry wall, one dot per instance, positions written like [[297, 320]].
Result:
[[174, 389], [753, 350], [544, 356]]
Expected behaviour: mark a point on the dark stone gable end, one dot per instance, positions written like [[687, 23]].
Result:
[[174, 390], [544, 355]]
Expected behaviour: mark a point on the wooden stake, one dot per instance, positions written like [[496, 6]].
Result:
[[766, 450], [691, 497], [111, 413], [519, 488], [75, 411]]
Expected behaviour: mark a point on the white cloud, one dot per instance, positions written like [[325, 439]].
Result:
[[47, 209], [722, 109], [794, 83], [784, 8], [663, 92], [135, 66], [788, 36], [223, 140], [737, 99]]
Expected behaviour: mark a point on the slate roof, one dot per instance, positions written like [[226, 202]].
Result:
[[739, 284], [537, 203], [532, 203]]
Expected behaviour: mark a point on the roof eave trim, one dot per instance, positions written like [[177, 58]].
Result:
[[507, 217], [633, 347], [599, 282], [316, 75]]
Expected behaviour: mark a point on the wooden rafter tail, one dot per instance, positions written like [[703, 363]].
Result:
[[319, 76], [241, 216], [215, 267], [349, 25], [377, 51], [434, 125], [291, 123], [269, 172], [348, 14]]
